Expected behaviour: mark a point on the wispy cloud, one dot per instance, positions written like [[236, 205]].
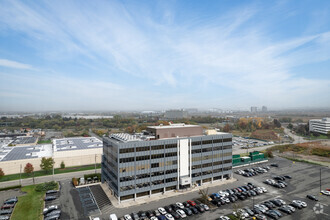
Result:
[[14, 64], [232, 52]]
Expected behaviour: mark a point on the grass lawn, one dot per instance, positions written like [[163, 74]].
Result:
[[43, 173], [29, 206], [45, 142]]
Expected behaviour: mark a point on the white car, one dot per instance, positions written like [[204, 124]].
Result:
[[162, 211], [224, 218], [153, 218], [206, 207], [50, 208], [303, 204], [169, 217], [282, 201], [180, 205], [327, 193], [113, 217], [127, 217], [181, 213], [264, 189]]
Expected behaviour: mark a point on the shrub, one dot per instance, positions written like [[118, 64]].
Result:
[[74, 181], [10, 187], [62, 165], [46, 186], [269, 154], [1, 173]]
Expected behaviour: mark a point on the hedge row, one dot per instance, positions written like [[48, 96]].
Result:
[[10, 187], [46, 186]]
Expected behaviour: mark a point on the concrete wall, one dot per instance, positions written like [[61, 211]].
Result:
[[70, 158]]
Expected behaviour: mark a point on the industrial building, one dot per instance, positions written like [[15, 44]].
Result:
[[320, 125], [75, 151], [164, 158]]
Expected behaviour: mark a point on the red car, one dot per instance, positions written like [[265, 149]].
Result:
[[8, 206], [192, 203]]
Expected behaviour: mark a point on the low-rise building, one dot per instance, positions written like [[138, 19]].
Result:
[[320, 125]]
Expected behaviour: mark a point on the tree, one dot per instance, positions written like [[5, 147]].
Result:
[[62, 165], [47, 163], [204, 195], [290, 126], [28, 168], [269, 153], [1, 173], [277, 123], [227, 128]]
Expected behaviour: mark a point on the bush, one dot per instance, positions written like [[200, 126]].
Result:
[[10, 187], [74, 181], [62, 165], [46, 186], [269, 154]]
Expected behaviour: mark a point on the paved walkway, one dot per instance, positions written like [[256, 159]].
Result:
[[42, 179]]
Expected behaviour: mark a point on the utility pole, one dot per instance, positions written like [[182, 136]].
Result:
[[95, 163], [20, 175], [320, 180]]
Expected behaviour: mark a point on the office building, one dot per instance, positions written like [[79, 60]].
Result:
[[254, 109], [320, 125], [164, 158], [176, 114], [264, 109]]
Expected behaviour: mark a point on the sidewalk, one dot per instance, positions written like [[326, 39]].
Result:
[[152, 198], [42, 179]]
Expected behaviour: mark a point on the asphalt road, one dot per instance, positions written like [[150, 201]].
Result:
[[42, 179]]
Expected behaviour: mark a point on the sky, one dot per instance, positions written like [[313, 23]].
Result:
[[154, 55]]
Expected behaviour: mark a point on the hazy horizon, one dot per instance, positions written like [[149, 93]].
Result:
[[158, 55]]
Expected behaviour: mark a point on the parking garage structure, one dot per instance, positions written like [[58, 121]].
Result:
[[139, 165]]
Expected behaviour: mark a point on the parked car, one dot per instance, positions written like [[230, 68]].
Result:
[[50, 209], [127, 217], [187, 211], [142, 214], [324, 192], [156, 213], [302, 203], [190, 202], [55, 212], [56, 217], [222, 217], [206, 207], [8, 206], [168, 209], [51, 191], [194, 210], [49, 198], [175, 215], [200, 208], [169, 216], [150, 214], [135, 216], [6, 211], [162, 210], [112, 217], [4, 217], [285, 210], [181, 213], [312, 197]]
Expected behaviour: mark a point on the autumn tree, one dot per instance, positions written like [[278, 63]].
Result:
[[1, 173], [227, 128], [28, 168], [47, 163]]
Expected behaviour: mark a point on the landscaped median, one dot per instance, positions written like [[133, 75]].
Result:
[[30, 205]]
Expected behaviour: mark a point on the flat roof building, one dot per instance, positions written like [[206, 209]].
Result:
[[320, 125], [139, 165]]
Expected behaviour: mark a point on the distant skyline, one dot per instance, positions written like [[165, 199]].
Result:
[[156, 55]]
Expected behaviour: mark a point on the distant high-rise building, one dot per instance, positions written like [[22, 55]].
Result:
[[264, 108], [176, 114], [254, 109]]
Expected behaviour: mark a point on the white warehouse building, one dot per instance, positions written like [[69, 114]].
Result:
[[320, 125]]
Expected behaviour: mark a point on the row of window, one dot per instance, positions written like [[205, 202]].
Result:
[[147, 175], [142, 185], [147, 166], [168, 146]]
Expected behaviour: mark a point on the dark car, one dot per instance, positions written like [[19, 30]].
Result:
[[216, 202], [150, 214], [168, 208], [135, 216], [287, 177], [175, 215], [296, 205], [194, 210], [51, 192], [174, 207], [276, 202], [269, 205], [274, 165], [253, 193], [142, 214], [241, 197], [55, 212], [231, 199], [186, 204], [161, 217], [257, 210], [200, 208], [187, 211], [312, 197], [277, 213], [285, 210], [49, 198], [271, 214]]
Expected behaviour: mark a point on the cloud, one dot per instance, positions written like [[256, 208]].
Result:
[[232, 53], [14, 64]]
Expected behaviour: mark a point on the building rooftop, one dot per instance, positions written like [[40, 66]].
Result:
[[124, 137], [76, 143], [20, 153], [24, 140], [180, 125]]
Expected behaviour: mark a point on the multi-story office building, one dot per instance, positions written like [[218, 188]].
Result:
[[320, 125], [164, 158], [254, 109]]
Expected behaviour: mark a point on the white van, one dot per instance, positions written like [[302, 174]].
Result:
[[113, 217]]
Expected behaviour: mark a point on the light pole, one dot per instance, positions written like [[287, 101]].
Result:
[[320, 180]]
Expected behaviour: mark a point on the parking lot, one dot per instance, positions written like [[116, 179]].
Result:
[[305, 180]]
